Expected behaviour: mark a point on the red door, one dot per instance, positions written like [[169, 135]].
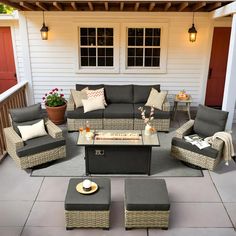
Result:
[[218, 65], [7, 63]]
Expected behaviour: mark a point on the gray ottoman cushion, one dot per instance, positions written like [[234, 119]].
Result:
[[146, 195], [98, 201]]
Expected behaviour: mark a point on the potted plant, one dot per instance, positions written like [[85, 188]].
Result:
[[55, 104]]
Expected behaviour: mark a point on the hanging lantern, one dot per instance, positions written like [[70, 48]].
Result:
[[192, 32], [44, 30]]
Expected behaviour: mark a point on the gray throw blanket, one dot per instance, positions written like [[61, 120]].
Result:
[[228, 150]]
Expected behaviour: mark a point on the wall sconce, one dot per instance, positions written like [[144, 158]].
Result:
[[44, 30], [192, 32]]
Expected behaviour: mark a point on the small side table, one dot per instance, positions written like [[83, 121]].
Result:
[[187, 105]]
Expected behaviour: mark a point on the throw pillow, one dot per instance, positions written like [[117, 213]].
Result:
[[96, 93], [78, 96], [32, 131], [156, 99], [93, 104]]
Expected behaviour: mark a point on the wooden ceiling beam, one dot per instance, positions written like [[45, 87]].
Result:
[[182, 6], [28, 6], [12, 4], [136, 6], [151, 6], [42, 6], [213, 6], [58, 6], [198, 6], [122, 6], [106, 6], [74, 6], [90, 5], [167, 6]]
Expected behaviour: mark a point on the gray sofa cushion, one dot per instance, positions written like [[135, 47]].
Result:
[[23, 114], [119, 93], [98, 201], [119, 111], [209, 121], [78, 113], [141, 92], [90, 86], [158, 114], [40, 144], [146, 194], [208, 151]]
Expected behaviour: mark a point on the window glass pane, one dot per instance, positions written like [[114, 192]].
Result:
[[109, 61], [101, 61], [109, 52], [130, 61], [101, 52], [83, 31], [84, 52], [156, 52], [156, 61], [131, 52], [92, 31], [148, 52], [148, 61], [139, 41], [92, 52], [101, 32], [84, 61], [131, 32], [156, 41], [83, 41], [148, 41], [109, 31], [157, 32], [139, 52], [92, 61], [109, 41], [139, 61], [101, 41], [138, 32], [148, 32], [131, 41], [92, 41]]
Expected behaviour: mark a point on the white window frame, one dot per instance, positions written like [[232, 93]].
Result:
[[163, 47], [103, 69]]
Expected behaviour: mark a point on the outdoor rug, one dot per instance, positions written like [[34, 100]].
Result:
[[162, 165]]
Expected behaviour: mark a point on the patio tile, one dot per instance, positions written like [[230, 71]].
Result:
[[14, 213], [224, 177], [193, 232], [47, 214], [10, 231], [16, 184], [192, 190], [117, 189], [231, 209], [199, 215], [53, 189]]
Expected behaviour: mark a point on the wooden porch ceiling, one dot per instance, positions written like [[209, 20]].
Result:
[[116, 5]]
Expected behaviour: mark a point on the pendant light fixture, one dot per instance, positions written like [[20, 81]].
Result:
[[44, 30], [192, 32]]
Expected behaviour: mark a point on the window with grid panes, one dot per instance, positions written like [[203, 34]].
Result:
[[96, 47], [143, 47]]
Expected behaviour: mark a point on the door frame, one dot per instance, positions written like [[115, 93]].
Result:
[[12, 26], [223, 23]]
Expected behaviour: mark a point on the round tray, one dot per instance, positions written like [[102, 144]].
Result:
[[79, 188]]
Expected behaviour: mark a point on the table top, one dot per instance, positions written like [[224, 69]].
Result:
[[139, 138]]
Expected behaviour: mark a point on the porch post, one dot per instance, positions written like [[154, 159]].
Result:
[[26, 56], [230, 80]]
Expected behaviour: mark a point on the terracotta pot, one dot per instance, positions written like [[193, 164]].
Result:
[[56, 114]]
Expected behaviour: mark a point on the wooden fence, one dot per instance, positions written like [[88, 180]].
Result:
[[14, 97]]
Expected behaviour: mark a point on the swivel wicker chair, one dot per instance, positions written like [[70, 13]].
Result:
[[38, 150], [208, 121]]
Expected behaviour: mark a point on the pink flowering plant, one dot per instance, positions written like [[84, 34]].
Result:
[[54, 98], [147, 120]]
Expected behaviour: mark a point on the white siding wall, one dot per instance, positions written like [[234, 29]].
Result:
[[53, 61]]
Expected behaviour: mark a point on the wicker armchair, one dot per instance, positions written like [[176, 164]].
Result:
[[38, 150], [208, 121]]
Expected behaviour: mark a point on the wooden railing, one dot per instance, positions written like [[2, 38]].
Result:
[[14, 97]]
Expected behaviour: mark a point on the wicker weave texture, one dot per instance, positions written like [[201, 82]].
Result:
[[119, 124], [146, 219], [75, 124], [87, 219], [158, 124], [194, 158]]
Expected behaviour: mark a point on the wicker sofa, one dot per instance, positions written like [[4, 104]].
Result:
[[122, 109]]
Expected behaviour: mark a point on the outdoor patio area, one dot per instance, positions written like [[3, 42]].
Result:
[[34, 206]]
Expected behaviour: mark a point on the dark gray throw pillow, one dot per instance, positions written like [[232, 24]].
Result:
[[80, 87], [24, 114]]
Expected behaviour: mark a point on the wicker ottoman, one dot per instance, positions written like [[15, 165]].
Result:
[[146, 204], [88, 211]]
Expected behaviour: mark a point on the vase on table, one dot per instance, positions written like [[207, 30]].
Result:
[[147, 130]]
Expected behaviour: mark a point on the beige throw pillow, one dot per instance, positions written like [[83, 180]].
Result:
[[32, 131], [156, 99], [78, 96], [97, 93], [93, 104]]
